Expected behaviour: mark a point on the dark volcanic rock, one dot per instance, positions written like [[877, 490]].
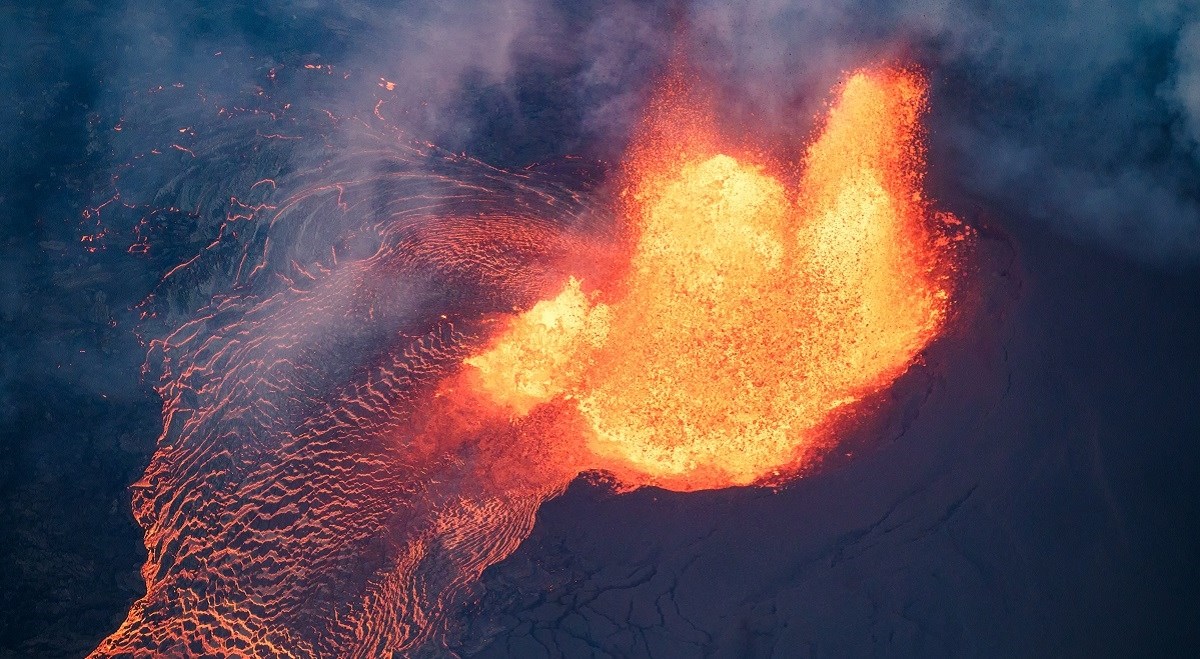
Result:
[[1035, 505]]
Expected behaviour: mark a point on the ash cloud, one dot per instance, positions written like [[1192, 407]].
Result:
[[1080, 117]]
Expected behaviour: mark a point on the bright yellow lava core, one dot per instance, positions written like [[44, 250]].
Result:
[[749, 312]]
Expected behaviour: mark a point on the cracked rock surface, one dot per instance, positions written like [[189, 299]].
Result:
[[1016, 502]]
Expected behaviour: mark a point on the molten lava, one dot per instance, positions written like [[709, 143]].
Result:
[[540, 356], [349, 441], [749, 313]]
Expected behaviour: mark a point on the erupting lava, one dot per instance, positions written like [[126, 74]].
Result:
[[749, 313], [349, 440]]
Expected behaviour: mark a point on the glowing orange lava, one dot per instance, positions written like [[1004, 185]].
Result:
[[749, 313], [340, 458]]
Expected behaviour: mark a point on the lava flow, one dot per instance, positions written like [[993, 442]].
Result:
[[750, 314], [363, 423]]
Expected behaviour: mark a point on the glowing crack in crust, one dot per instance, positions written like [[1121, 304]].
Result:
[[749, 313]]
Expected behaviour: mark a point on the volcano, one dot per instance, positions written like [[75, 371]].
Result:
[[533, 329]]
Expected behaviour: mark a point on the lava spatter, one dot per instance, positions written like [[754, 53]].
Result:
[[751, 313]]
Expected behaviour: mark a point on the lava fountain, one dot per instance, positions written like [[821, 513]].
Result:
[[750, 314], [301, 503]]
